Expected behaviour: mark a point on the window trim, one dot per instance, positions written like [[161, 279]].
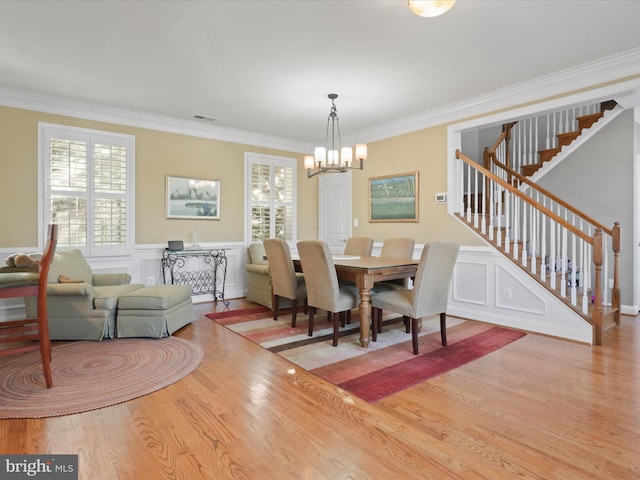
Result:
[[44, 188], [273, 161]]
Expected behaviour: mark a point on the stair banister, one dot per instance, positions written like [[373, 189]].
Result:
[[525, 198], [505, 192], [522, 179]]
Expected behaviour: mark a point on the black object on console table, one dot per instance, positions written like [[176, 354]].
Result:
[[209, 278]]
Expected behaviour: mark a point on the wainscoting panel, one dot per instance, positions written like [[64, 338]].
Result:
[[470, 283], [514, 295], [488, 287]]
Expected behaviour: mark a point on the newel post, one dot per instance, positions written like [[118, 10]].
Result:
[[597, 313], [615, 292]]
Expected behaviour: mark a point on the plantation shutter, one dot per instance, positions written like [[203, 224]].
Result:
[[110, 187], [89, 188], [283, 202], [271, 198]]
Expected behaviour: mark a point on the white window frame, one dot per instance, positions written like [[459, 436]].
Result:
[[272, 161], [48, 130]]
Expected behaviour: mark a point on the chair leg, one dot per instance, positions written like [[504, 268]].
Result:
[[45, 353], [443, 328], [43, 338], [349, 317], [312, 310], [414, 335], [276, 306], [338, 318], [294, 311], [407, 324], [306, 306]]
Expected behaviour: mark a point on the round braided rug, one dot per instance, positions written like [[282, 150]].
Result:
[[91, 375]]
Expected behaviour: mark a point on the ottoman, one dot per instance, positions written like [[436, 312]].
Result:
[[155, 311]]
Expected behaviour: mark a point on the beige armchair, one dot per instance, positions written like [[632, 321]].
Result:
[[258, 276], [86, 308]]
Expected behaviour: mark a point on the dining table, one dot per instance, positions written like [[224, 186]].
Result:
[[364, 272]]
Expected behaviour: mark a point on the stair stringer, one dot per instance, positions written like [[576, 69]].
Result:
[[608, 116], [490, 287]]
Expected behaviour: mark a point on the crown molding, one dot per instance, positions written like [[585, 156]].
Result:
[[609, 69], [76, 109], [589, 75]]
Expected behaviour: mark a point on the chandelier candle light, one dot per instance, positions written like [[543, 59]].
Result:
[[333, 157]]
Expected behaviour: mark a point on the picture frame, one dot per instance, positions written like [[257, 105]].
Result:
[[394, 198], [192, 198]]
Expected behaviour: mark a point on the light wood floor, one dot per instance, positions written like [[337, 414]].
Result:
[[539, 408]]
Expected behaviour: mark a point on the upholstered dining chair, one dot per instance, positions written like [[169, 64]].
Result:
[[359, 246], [398, 247], [31, 333], [284, 281], [429, 295], [324, 292]]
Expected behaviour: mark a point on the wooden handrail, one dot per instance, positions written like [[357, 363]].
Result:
[[553, 197], [525, 198], [502, 137]]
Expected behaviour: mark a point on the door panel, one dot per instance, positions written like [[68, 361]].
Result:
[[334, 190]]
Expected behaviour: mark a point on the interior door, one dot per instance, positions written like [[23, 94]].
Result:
[[334, 190]]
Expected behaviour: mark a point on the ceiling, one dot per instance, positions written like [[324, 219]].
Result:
[[266, 67]]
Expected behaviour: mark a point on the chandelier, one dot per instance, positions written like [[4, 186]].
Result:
[[333, 157], [430, 8]]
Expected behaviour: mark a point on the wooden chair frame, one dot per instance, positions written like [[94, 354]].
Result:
[[16, 332]]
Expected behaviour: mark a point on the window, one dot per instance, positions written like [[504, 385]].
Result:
[[271, 197], [88, 188]]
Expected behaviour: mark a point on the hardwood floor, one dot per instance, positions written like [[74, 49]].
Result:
[[539, 408]]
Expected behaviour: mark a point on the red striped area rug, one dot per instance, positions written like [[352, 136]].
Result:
[[386, 367]]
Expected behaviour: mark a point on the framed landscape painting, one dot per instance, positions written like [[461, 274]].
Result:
[[394, 198], [193, 198]]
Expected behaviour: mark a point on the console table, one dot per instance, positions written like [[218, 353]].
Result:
[[208, 276]]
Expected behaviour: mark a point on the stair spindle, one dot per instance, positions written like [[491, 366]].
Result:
[[552, 254]]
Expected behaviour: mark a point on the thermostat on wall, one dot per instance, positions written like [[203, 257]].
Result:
[[441, 198]]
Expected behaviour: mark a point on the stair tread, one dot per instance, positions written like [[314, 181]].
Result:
[[575, 133], [590, 115]]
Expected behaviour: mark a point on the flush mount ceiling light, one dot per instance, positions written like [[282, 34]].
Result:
[[430, 8], [333, 157]]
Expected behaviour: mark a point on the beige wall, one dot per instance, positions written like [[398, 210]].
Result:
[[157, 154], [424, 151]]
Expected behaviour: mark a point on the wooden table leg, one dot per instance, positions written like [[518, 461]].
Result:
[[365, 284]]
